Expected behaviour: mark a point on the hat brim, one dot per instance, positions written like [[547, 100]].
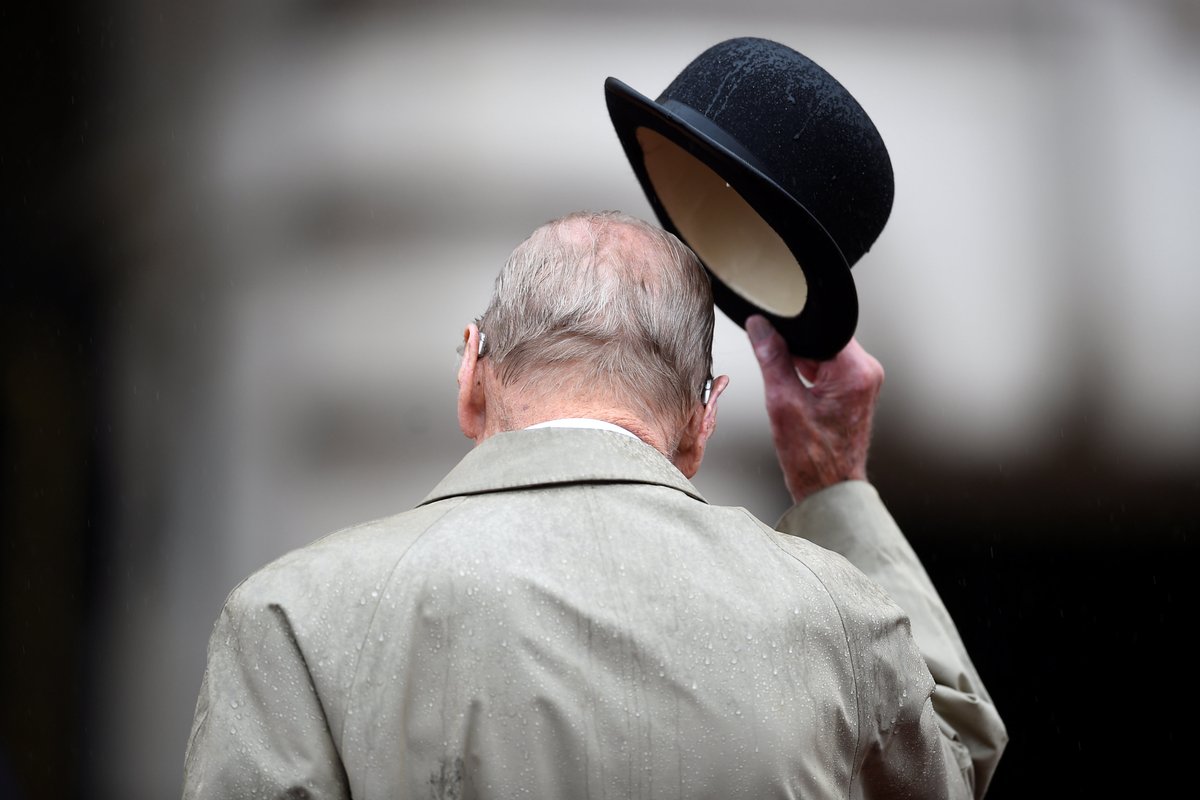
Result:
[[830, 314]]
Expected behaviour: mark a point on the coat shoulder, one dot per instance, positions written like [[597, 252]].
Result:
[[342, 562]]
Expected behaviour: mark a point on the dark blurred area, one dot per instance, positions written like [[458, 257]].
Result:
[[54, 297], [223, 336]]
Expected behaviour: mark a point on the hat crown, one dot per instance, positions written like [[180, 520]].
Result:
[[804, 129]]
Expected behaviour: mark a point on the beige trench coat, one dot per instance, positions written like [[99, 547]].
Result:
[[565, 617]]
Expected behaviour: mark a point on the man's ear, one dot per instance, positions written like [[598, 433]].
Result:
[[700, 426], [472, 405]]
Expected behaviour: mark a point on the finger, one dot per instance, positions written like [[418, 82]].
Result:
[[772, 353], [858, 368], [808, 369], [852, 369]]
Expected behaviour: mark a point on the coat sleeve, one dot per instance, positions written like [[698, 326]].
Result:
[[259, 728], [850, 519]]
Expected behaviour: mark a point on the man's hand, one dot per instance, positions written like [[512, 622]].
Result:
[[821, 433]]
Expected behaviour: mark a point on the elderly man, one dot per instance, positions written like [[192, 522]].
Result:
[[564, 616]]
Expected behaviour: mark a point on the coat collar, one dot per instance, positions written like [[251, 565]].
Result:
[[555, 456]]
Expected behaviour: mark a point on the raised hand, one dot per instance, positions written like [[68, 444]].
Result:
[[821, 430]]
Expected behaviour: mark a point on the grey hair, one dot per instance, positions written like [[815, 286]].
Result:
[[603, 304]]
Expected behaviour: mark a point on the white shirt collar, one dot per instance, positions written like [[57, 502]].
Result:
[[583, 422]]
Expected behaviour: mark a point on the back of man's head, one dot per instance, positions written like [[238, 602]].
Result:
[[603, 307]]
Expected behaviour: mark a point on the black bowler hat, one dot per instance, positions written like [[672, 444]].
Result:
[[773, 174]]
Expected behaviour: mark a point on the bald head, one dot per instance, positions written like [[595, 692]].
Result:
[[603, 307]]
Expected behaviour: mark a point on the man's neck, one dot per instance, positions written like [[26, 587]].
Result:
[[621, 418], [586, 423]]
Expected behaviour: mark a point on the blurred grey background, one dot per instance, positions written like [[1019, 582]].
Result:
[[242, 240]]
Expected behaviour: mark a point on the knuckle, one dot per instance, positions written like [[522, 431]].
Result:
[[869, 374]]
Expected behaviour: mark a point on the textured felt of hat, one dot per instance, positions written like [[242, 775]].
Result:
[[773, 173]]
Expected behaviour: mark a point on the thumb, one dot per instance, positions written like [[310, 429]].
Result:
[[774, 358]]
